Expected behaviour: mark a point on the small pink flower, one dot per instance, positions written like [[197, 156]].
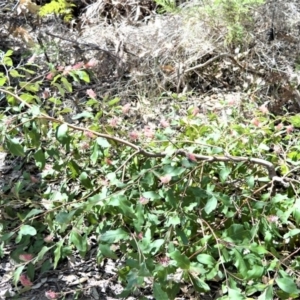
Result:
[[34, 179], [277, 149], [191, 157], [255, 122], [49, 76], [32, 59], [25, 281], [26, 257], [134, 135], [89, 134], [108, 161], [272, 219], [231, 101], [264, 109], [279, 126], [51, 294], [91, 63], [148, 132], [46, 93], [144, 200], [67, 70], [85, 146], [139, 236], [104, 182], [165, 179], [78, 65], [60, 68], [164, 260], [113, 122], [126, 108], [289, 128], [48, 238], [48, 167], [91, 93], [164, 123], [195, 111]]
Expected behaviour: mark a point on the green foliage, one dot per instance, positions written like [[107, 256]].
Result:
[[234, 15], [58, 7], [168, 6], [206, 213]]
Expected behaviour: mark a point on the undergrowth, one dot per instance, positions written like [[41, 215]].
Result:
[[195, 201]]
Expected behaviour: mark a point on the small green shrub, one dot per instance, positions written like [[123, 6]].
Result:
[[235, 15], [180, 207], [58, 7], [168, 6]]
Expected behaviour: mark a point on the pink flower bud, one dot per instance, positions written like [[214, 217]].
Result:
[[91, 93], [126, 108], [25, 281], [255, 122], [165, 179], [289, 128], [164, 123], [25, 257], [51, 295]]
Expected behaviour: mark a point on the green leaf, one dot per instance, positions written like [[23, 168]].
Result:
[[41, 254], [182, 236], [14, 147], [199, 284], [40, 159], [234, 294], [83, 75], [255, 272], [15, 74], [33, 87], [224, 173], [143, 270], [66, 84], [103, 142], [158, 293], [62, 132], [3, 79], [267, 294], [287, 285], [114, 101], [182, 260], [64, 217], [5, 237], [296, 211], [107, 252], [291, 233], [62, 91], [206, 259], [211, 204], [156, 245], [30, 271], [79, 241], [240, 263], [17, 273], [113, 236], [173, 220], [295, 120], [7, 61], [27, 230], [74, 168], [8, 53], [85, 180], [57, 253], [33, 212]]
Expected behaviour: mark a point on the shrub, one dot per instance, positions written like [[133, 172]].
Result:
[[191, 206]]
